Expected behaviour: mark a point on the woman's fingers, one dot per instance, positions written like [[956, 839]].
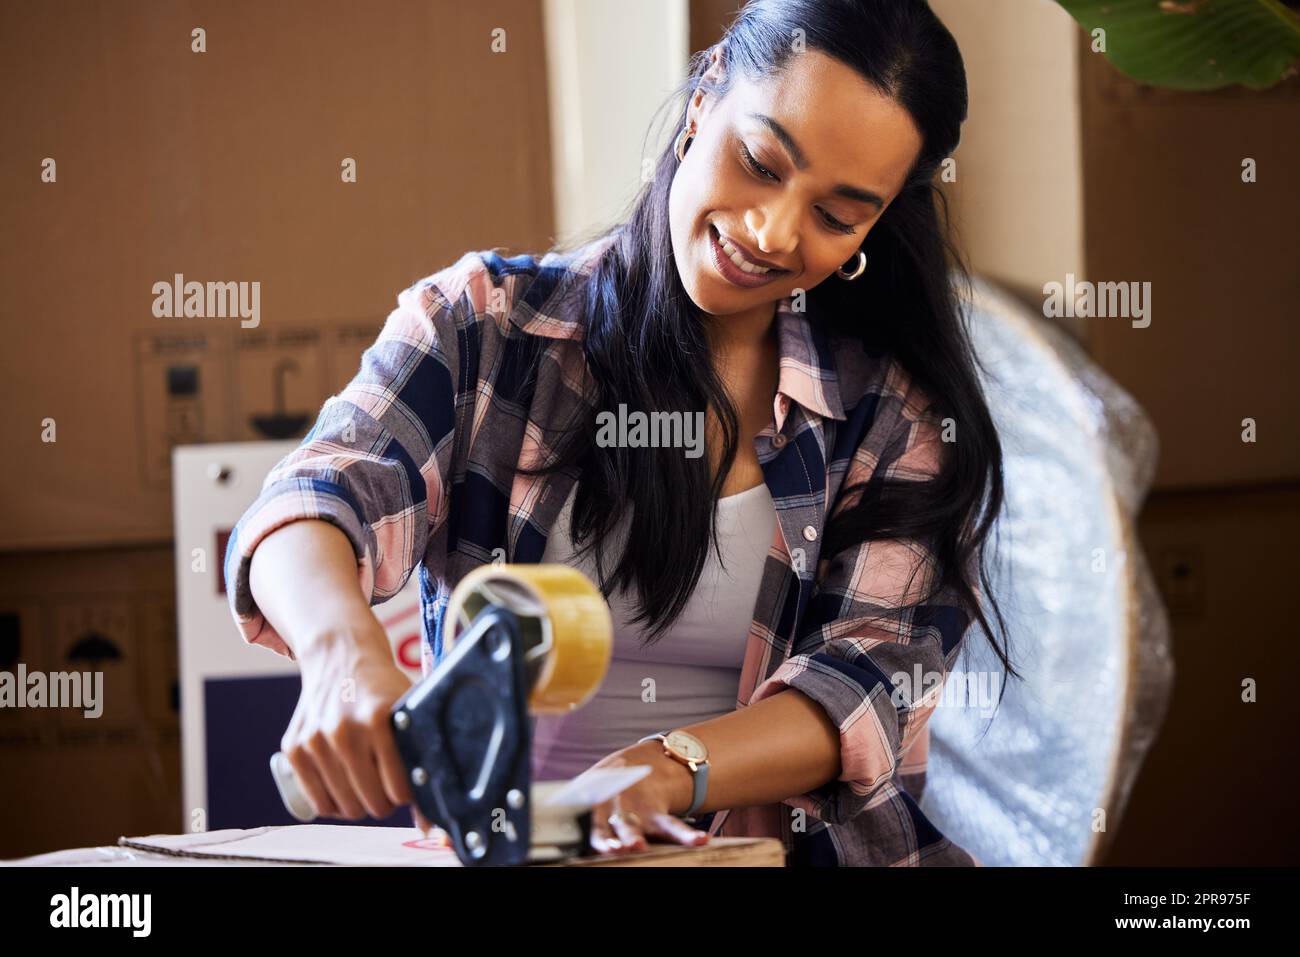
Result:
[[624, 831], [672, 828], [335, 777], [343, 776], [312, 784], [356, 751], [627, 828], [425, 826], [391, 770], [603, 840]]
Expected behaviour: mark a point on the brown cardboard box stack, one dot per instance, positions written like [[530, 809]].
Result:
[[70, 779], [1166, 203], [218, 166]]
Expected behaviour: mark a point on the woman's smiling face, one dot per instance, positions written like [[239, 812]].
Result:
[[793, 171]]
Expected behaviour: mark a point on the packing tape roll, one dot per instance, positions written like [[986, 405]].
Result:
[[569, 634]]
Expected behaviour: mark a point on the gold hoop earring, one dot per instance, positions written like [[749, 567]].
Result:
[[862, 266], [682, 143]]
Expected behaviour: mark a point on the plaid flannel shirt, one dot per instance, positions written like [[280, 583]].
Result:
[[414, 462]]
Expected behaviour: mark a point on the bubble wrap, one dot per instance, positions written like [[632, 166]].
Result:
[[1044, 780]]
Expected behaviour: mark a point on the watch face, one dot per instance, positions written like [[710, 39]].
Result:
[[687, 745]]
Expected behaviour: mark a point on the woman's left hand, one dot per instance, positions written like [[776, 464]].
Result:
[[642, 813]]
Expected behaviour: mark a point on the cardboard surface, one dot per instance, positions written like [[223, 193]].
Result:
[[1165, 203], [1215, 789], [226, 166], [68, 778]]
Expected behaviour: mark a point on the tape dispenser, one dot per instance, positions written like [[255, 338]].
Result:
[[519, 640]]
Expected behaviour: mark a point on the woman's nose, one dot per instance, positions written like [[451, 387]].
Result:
[[774, 229]]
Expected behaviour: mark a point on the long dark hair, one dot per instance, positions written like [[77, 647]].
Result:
[[646, 346]]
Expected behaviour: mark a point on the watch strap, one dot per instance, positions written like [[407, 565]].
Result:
[[699, 777]]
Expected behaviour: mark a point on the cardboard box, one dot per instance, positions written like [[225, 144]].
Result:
[[69, 778], [1165, 203], [1215, 789], [226, 166]]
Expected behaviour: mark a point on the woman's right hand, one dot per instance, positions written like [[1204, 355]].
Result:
[[340, 742]]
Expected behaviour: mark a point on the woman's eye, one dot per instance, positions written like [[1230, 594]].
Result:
[[835, 224], [754, 165]]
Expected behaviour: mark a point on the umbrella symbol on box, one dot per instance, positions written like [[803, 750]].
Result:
[[280, 423], [94, 647]]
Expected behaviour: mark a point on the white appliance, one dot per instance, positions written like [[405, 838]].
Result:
[[236, 698]]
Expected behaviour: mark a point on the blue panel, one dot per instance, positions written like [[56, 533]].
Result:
[[245, 720]]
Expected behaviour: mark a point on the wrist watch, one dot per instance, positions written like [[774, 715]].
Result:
[[686, 748]]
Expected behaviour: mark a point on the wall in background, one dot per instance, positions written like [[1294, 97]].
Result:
[[610, 64], [1018, 200]]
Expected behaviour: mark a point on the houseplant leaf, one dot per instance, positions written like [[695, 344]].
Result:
[[1195, 44]]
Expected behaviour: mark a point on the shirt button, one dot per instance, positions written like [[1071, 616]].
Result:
[[809, 533], [778, 440]]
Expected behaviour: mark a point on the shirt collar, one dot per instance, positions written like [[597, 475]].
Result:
[[807, 364], [807, 359]]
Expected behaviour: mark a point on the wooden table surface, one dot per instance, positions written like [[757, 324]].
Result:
[[322, 844], [719, 852]]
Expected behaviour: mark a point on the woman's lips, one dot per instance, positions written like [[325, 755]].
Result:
[[733, 273]]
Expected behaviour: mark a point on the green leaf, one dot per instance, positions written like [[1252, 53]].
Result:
[[1195, 44]]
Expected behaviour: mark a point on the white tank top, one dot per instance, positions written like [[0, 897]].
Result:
[[691, 673]]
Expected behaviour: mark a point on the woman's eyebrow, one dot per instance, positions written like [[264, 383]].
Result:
[[801, 162]]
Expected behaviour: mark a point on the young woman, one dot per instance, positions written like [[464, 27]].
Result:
[[786, 605]]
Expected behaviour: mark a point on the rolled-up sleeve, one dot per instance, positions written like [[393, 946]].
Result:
[[875, 646], [375, 463]]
